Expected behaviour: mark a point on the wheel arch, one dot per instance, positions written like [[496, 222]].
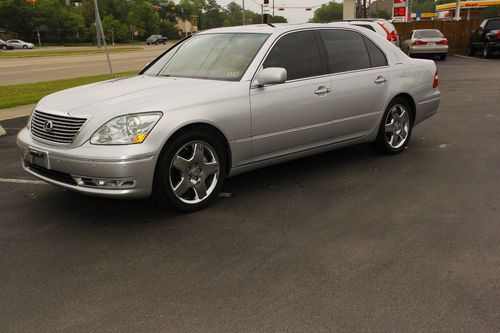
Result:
[[204, 127], [413, 108]]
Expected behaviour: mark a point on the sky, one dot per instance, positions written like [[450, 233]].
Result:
[[293, 15]]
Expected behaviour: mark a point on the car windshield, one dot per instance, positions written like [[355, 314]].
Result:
[[428, 34], [217, 56]]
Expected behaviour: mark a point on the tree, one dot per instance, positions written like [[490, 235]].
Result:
[[331, 11], [423, 6], [18, 16]]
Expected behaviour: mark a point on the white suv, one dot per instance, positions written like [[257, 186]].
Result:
[[380, 26]]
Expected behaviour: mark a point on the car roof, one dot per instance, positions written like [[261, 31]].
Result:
[[275, 28]]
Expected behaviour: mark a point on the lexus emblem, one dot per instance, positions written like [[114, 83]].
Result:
[[48, 126]]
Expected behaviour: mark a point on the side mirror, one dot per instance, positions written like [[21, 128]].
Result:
[[271, 75]]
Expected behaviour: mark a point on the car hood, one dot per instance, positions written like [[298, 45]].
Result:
[[129, 95]]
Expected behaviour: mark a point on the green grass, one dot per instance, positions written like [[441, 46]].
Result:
[[49, 53], [29, 93]]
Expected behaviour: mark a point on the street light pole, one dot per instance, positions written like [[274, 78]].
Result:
[[244, 19], [457, 11], [100, 33], [265, 10]]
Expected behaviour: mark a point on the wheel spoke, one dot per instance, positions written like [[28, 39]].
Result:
[[210, 168], [180, 163], [394, 140], [201, 190], [403, 134], [181, 188], [389, 128], [198, 153]]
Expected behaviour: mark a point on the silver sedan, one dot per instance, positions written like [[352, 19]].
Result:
[[19, 44], [227, 101], [425, 41]]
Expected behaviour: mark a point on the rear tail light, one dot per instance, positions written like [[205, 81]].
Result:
[[419, 42], [386, 31], [498, 34], [394, 37], [442, 42], [436, 80]]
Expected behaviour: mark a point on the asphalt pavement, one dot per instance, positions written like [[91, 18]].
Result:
[[38, 69], [347, 241]]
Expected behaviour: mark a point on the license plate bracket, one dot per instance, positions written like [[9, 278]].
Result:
[[37, 157]]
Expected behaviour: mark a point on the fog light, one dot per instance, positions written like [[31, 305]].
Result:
[[104, 183]]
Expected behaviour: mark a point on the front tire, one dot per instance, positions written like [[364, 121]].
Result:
[[395, 129], [25, 47], [190, 171]]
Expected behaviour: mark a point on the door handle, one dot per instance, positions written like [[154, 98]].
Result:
[[380, 80], [322, 90]]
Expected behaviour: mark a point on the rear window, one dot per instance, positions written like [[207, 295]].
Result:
[[493, 25], [428, 34]]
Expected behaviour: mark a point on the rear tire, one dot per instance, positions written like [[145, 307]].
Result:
[[395, 128], [442, 56], [190, 171]]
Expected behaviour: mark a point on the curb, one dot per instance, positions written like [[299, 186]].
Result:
[[2, 131]]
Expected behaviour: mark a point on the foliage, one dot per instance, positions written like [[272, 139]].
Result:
[[58, 22], [423, 6], [331, 11]]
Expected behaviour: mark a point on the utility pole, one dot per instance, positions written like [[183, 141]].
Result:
[[273, 8], [100, 33], [244, 19], [457, 11], [265, 11], [112, 36]]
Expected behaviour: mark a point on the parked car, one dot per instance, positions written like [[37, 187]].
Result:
[[381, 26], [19, 44], [5, 46], [156, 39], [227, 101], [425, 42], [486, 38]]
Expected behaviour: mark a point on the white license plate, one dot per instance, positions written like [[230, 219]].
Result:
[[37, 157], [431, 44]]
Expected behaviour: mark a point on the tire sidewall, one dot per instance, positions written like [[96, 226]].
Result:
[[161, 188]]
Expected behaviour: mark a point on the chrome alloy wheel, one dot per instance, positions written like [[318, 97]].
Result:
[[194, 172], [397, 125]]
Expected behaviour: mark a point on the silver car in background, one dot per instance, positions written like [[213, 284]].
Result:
[[227, 101], [425, 42], [19, 44]]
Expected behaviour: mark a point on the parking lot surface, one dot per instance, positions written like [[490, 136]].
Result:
[[346, 241]]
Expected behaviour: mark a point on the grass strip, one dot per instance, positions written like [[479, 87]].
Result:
[[29, 93], [55, 53]]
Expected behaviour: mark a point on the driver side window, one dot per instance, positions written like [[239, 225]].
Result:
[[298, 53]]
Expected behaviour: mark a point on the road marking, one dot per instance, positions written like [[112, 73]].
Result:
[[22, 181], [467, 57], [2, 131]]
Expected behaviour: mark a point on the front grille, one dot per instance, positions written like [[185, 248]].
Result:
[[52, 174], [55, 128]]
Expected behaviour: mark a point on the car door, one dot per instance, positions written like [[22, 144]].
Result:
[[295, 115], [360, 76]]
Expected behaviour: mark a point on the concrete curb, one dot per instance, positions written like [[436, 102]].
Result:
[[16, 112], [2, 131]]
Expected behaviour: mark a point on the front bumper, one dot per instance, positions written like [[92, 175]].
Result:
[[120, 176]]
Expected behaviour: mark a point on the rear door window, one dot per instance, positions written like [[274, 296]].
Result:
[[377, 57], [346, 50], [298, 53]]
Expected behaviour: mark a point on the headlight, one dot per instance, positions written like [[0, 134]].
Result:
[[124, 130]]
